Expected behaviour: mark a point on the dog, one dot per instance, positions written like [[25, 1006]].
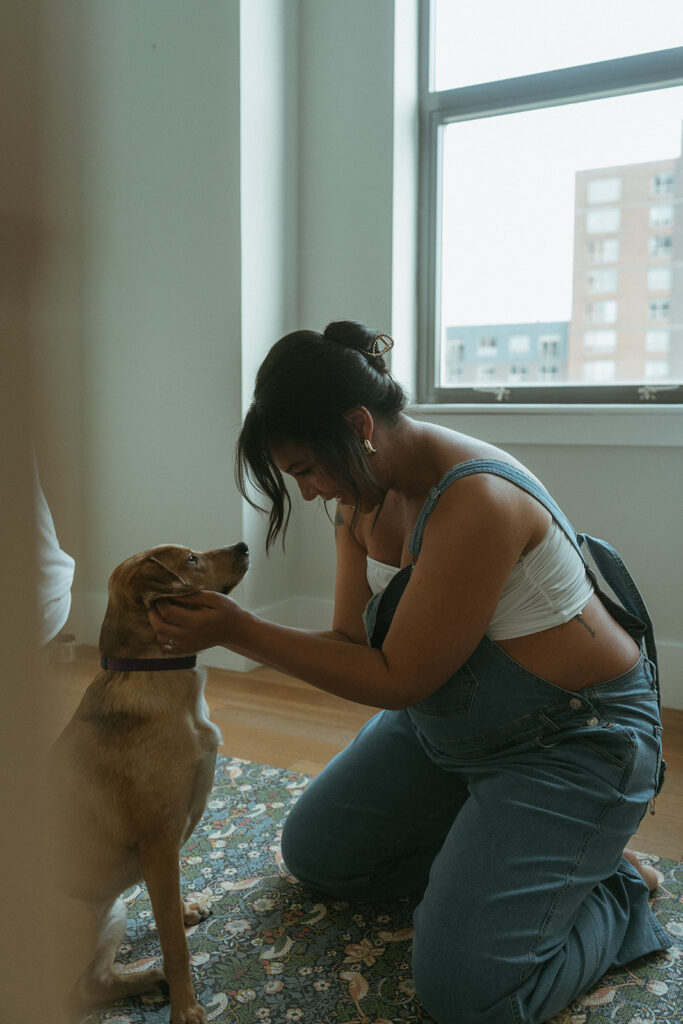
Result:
[[130, 776]]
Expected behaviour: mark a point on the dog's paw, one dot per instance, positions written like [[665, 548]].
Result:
[[195, 912], [190, 1015]]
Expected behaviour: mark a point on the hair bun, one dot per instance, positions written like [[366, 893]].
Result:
[[357, 336]]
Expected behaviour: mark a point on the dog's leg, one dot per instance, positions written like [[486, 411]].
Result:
[[100, 982], [161, 872]]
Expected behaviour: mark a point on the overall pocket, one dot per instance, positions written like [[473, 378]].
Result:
[[455, 697]]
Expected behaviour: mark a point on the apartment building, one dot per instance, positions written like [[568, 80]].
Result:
[[627, 296]]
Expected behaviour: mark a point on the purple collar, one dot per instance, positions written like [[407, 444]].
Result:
[[147, 664]]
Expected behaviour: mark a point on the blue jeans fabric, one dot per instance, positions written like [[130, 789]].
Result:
[[505, 802]]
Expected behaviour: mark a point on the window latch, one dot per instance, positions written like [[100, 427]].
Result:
[[649, 392], [502, 394]]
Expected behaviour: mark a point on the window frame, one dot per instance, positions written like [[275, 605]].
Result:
[[620, 76]]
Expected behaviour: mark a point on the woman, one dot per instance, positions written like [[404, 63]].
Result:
[[521, 742]]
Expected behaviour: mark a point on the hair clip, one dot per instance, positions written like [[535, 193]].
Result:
[[387, 344]]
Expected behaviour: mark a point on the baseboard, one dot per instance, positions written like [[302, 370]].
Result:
[[670, 657], [87, 612]]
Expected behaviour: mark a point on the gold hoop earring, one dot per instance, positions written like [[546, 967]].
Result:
[[367, 445]]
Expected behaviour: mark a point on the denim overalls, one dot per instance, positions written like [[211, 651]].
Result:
[[507, 802]]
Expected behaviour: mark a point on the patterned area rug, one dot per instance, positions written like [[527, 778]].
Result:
[[270, 953]]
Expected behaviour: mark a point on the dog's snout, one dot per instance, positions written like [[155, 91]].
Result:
[[241, 548]]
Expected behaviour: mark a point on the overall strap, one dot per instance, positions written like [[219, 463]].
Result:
[[607, 560], [498, 468]]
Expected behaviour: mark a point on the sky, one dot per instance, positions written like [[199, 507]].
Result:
[[508, 202]]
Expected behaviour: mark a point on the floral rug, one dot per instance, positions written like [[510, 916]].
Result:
[[270, 953]]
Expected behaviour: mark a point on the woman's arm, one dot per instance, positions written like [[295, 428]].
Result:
[[472, 540]]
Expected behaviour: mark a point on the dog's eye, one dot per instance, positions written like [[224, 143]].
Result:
[[192, 560]]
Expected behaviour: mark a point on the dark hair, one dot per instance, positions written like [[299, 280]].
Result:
[[303, 388]]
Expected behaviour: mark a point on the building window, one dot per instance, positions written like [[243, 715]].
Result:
[[660, 246], [549, 346], [486, 373], [599, 222], [519, 344], [601, 312], [603, 280], [662, 215], [662, 184], [656, 369], [487, 348], [657, 341], [658, 309], [600, 341], [603, 250], [506, 245], [604, 190], [659, 279], [518, 373], [600, 370]]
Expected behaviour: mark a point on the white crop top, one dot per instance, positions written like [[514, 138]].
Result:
[[546, 588]]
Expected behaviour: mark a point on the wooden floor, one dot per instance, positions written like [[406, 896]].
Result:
[[271, 719]]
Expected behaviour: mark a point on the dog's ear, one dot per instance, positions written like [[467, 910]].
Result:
[[157, 579]]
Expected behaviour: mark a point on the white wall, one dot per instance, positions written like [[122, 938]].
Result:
[[248, 168]]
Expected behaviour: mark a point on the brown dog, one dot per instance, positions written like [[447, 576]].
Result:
[[131, 774]]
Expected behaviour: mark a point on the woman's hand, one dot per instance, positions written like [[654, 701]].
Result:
[[190, 624]]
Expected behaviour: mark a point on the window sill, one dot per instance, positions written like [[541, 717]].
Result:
[[622, 425]]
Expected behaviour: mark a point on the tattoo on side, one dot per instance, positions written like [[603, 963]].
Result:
[[338, 518], [580, 618]]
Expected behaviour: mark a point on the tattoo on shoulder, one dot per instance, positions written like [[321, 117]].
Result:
[[580, 618], [338, 518]]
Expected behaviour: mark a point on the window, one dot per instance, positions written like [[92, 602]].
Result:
[[659, 279], [660, 246], [550, 195], [549, 346], [600, 221], [603, 250], [656, 341], [600, 341], [663, 184], [656, 369], [601, 312], [603, 280], [487, 348], [658, 309], [604, 190], [661, 215], [519, 343], [599, 370]]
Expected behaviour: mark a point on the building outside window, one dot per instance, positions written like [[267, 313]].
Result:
[[599, 370], [603, 280], [604, 190], [518, 344], [602, 312], [656, 369], [661, 215], [663, 184], [603, 250], [600, 341], [660, 247], [657, 341], [542, 167], [659, 279], [658, 309]]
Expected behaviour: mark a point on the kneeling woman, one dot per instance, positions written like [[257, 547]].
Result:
[[520, 745]]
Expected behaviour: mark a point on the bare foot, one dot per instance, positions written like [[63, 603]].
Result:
[[651, 877]]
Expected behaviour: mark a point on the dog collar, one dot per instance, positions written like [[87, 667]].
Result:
[[147, 664]]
